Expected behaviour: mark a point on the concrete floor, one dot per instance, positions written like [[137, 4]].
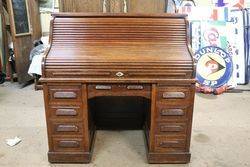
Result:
[[220, 138]]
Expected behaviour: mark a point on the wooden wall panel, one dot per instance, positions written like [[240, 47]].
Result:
[[22, 48], [35, 19], [114, 6], [147, 6], [4, 53], [23, 43], [80, 5]]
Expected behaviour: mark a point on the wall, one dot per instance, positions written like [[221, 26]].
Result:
[[47, 8]]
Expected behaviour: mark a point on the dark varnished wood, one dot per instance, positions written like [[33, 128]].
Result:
[[99, 59]]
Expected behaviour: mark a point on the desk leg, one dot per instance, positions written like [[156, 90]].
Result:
[[69, 145], [171, 145]]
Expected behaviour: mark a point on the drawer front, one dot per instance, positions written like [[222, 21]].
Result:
[[67, 144], [143, 90], [67, 128], [174, 95], [168, 112], [170, 143], [172, 128], [66, 112], [123, 87], [65, 94]]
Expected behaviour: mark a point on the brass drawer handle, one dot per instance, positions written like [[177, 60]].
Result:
[[172, 112], [103, 87], [165, 144], [67, 128], [66, 112], [171, 128], [134, 87], [65, 95], [69, 144], [173, 95]]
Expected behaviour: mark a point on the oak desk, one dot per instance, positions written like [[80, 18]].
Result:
[[119, 55]]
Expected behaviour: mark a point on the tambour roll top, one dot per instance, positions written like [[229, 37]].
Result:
[[119, 46]]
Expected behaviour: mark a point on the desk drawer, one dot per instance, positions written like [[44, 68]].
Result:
[[66, 112], [65, 94], [143, 90], [67, 144], [67, 128], [167, 112], [172, 128], [174, 95], [166, 143]]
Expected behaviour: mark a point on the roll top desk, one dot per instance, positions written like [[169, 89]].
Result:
[[118, 55]]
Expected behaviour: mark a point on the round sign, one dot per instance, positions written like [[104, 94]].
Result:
[[214, 66]]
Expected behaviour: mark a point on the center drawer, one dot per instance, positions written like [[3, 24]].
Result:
[[95, 90]]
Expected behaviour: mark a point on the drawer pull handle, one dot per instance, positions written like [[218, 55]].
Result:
[[103, 87], [173, 95], [172, 112], [171, 128], [66, 112], [67, 128], [69, 144], [135, 87], [65, 95], [165, 144]]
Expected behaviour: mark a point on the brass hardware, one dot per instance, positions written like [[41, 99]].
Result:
[[66, 112], [168, 143], [135, 87], [119, 74], [171, 128], [65, 95], [103, 87], [173, 95], [172, 112], [67, 128], [69, 144]]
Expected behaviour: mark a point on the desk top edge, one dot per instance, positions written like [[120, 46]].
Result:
[[124, 15]]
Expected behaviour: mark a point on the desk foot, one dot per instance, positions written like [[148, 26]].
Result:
[[165, 158], [56, 157], [168, 158], [74, 157]]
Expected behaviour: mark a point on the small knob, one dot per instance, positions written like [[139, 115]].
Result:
[[119, 74]]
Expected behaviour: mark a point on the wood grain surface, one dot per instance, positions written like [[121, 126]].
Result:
[[100, 64]]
